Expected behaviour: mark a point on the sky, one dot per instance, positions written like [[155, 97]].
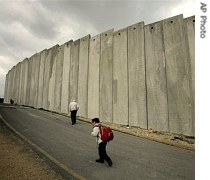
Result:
[[30, 26]]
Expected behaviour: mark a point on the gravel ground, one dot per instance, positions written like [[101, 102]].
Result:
[[172, 139]]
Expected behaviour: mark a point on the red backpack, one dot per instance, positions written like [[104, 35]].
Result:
[[106, 133]]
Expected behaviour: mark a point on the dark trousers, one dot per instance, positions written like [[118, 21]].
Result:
[[73, 116], [102, 152]]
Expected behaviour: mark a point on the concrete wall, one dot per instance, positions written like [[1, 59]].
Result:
[[106, 75], [157, 105], [137, 76], [141, 75], [177, 73], [93, 77], [65, 78], [83, 76]]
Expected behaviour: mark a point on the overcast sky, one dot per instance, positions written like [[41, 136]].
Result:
[[30, 26]]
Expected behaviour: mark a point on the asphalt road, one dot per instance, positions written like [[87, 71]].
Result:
[[74, 150]]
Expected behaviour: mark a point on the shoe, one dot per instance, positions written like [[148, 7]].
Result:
[[110, 163], [99, 161]]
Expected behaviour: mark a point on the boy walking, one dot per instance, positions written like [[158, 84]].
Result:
[[101, 144]]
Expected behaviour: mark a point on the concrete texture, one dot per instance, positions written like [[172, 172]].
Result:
[[58, 78], [141, 75], [136, 76], [179, 101], [74, 68], [37, 59], [52, 78], [41, 79], [65, 78], [120, 77], [32, 87], [47, 77], [93, 77], [106, 68], [25, 81], [189, 27], [156, 77], [83, 76]]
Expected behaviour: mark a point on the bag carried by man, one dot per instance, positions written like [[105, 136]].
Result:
[[106, 133]]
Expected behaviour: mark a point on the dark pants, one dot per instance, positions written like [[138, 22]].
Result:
[[102, 152], [73, 116]]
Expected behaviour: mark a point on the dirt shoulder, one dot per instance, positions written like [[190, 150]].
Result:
[[17, 161], [168, 138]]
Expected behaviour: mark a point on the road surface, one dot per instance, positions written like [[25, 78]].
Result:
[[73, 151]]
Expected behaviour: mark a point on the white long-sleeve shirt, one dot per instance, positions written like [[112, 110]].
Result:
[[96, 133], [73, 106]]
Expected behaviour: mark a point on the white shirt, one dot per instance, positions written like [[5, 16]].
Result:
[[73, 106], [96, 133]]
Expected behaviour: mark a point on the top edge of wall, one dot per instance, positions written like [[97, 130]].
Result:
[[135, 25], [191, 18], [95, 37], [115, 32], [85, 38], [55, 46], [121, 30], [108, 31], [167, 19]]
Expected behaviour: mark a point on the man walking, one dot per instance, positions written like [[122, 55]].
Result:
[[73, 108]]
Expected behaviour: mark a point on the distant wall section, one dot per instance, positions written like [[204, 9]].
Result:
[[141, 75]]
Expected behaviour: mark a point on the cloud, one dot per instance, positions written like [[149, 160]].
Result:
[[187, 6], [32, 16]]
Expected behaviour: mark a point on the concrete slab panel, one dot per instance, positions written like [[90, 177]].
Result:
[[37, 65], [47, 73], [66, 78], [58, 78], [136, 76], [28, 89], [83, 76], [25, 81], [106, 76], [9, 91], [120, 78], [93, 77], [52, 79], [189, 27], [157, 107], [32, 80], [41, 79], [21, 84], [13, 83], [74, 69], [6, 88], [17, 82], [179, 99], [47, 76]]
